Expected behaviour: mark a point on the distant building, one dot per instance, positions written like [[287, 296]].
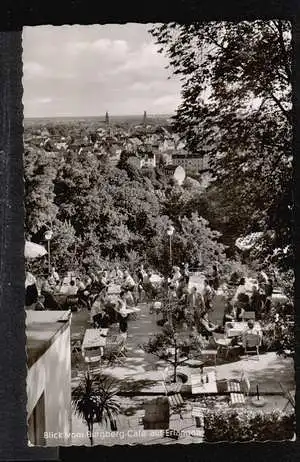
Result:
[[190, 161], [143, 160], [106, 118], [49, 377], [148, 160]]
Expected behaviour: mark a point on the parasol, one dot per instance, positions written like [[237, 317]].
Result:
[[33, 250]]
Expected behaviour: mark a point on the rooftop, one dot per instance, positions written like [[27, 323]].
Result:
[[42, 329]]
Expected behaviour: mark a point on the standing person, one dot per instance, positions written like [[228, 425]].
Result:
[[118, 274], [256, 303], [215, 277], [123, 315], [196, 305], [97, 308], [94, 285], [128, 286], [207, 295], [141, 275], [186, 273]]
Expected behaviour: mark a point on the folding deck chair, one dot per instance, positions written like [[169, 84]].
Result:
[[290, 398], [176, 401], [238, 389], [115, 350]]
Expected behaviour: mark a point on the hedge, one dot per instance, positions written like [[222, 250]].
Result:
[[248, 425]]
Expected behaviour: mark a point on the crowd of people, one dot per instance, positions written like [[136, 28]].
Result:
[[193, 306]]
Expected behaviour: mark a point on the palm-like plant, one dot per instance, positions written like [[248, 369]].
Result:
[[94, 401], [108, 408]]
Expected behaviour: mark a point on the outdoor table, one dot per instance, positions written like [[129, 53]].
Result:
[[128, 311], [206, 387], [236, 329], [94, 338], [194, 363]]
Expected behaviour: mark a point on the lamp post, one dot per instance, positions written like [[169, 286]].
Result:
[[48, 236], [170, 232]]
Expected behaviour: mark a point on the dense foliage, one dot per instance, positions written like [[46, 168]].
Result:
[[103, 212], [248, 425], [237, 108]]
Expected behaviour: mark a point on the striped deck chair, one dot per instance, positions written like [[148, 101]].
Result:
[[238, 389]]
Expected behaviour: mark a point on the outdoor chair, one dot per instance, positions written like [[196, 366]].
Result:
[[249, 315], [76, 347], [175, 400], [115, 351], [237, 399], [197, 413], [251, 343], [290, 397], [241, 385], [209, 355], [222, 343]]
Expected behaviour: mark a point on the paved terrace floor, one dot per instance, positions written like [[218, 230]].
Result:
[[141, 372]]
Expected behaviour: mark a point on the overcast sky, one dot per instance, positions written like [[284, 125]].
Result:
[[87, 70]]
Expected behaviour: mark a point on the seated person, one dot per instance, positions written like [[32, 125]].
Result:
[[241, 305], [104, 322], [250, 330], [53, 278], [31, 292], [49, 300], [229, 314], [103, 280], [207, 327], [40, 304], [72, 289], [82, 293], [97, 319]]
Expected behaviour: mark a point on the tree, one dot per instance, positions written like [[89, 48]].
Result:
[[236, 91], [94, 401], [40, 172], [167, 346], [170, 345]]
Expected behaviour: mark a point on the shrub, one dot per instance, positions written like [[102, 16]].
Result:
[[247, 425]]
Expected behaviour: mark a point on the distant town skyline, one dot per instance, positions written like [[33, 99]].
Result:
[[84, 71]]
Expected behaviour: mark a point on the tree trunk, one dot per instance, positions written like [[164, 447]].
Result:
[[90, 429]]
